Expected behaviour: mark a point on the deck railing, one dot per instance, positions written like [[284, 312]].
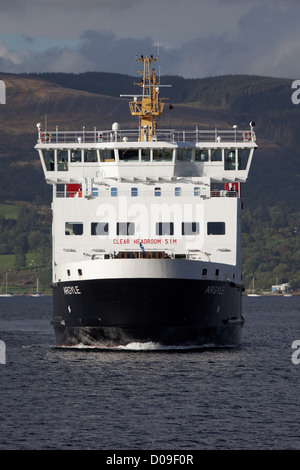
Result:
[[130, 135], [144, 193]]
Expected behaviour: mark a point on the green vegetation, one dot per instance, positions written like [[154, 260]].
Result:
[[9, 211], [271, 246], [25, 246]]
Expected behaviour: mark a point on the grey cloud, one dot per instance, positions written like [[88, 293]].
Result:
[[265, 42], [15, 5], [99, 51], [108, 53]]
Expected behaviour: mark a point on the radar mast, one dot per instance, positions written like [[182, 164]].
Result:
[[148, 106]]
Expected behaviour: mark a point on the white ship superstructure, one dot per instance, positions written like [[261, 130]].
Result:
[[147, 229]]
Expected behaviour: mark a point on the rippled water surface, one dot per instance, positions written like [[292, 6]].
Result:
[[246, 398]]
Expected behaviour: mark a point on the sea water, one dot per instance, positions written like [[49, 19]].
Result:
[[146, 398]]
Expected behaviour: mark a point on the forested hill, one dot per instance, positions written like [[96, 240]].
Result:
[[230, 90], [266, 99]]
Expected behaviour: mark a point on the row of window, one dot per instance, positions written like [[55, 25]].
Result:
[[60, 159], [64, 190], [161, 228], [157, 191]]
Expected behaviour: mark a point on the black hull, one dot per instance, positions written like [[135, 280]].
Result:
[[178, 312]]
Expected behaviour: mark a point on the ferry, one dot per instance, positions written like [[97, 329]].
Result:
[[147, 228]]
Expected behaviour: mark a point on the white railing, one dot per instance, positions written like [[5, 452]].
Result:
[[130, 135], [141, 193]]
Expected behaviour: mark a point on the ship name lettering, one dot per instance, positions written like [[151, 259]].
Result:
[[215, 290], [69, 290]]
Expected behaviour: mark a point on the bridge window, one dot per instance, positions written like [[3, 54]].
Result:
[[243, 157], [229, 161], [48, 156], [114, 192], [215, 228], [134, 192], [128, 155], [162, 155], [90, 156], [157, 191], [201, 155], [62, 160], [178, 191], [145, 155], [216, 155], [197, 191], [107, 155], [73, 228], [184, 155], [75, 156]]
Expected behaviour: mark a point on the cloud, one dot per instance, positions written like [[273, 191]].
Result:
[[7, 5], [197, 38], [107, 53], [266, 42], [98, 51]]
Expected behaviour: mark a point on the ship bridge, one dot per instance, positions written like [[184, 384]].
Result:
[[147, 153], [71, 157]]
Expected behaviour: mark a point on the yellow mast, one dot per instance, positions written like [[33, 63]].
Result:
[[148, 106]]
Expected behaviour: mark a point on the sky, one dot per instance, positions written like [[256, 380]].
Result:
[[194, 38]]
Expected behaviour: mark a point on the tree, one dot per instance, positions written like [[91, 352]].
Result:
[[20, 257]]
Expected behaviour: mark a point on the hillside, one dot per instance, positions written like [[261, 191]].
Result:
[[71, 101]]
